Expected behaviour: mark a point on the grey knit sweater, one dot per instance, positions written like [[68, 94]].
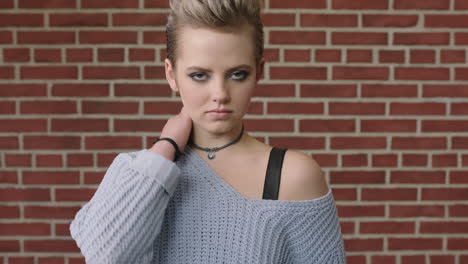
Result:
[[149, 209]]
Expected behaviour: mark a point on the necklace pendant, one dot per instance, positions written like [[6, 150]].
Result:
[[211, 155]]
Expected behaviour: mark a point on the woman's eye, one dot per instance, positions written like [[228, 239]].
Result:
[[198, 76], [240, 75]]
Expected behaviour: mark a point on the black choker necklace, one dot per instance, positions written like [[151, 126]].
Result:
[[211, 151]]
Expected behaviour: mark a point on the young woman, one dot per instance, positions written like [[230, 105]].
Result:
[[206, 191]]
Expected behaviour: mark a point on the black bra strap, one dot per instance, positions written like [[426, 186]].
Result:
[[273, 174]]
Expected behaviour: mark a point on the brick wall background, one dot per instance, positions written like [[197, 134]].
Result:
[[375, 90]]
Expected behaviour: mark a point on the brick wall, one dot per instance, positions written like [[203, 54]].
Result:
[[375, 90]]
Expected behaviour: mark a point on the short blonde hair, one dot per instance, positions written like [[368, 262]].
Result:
[[227, 14]]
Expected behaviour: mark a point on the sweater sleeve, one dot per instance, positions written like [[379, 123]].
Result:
[[121, 221], [315, 235]]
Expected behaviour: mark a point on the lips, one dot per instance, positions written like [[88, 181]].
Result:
[[220, 111]]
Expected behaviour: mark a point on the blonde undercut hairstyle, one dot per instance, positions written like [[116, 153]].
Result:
[[219, 14]]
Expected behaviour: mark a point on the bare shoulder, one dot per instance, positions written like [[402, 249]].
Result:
[[301, 177]]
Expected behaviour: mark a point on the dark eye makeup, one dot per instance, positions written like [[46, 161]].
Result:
[[239, 75]]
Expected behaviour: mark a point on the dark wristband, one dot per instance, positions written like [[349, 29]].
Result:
[[177, 153]]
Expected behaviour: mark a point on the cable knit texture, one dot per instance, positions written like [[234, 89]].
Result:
[[150, 210]]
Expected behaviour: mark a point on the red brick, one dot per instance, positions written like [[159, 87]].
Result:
[[272, 90], [328, 90], [140, 125], [419, 143], [142, 55], [6, 37], [415, 244], [422, 56], [299, 142], [108, 37], [444, 194], [459, 143], [80, 125], [278, 20], [327, 125], [9, 246], [383, 259], [360, 73], [359, 56], [301, 73], [327, 55], [46, 37], [413, 259], [384, 160], [79, 55], [80, 89], [47, 212], [156, 4], [360, 4], [17, 160], [81, 194], [387, 227], [51, 245], [47, 4], [25, 229], [422, 73], [295, 108], [389, 90], [358, 143], [7, 108], [7, 72], [139, 19], [357, 177], [457, 177], [445, 90], [109, 4], [388, 125], [452, 21], [457, 244], [297, 55], [24, 194], [112, 142], [9, 176], [421, 4], [47, 55], [343, 108], [348, 194], [328, 20], [9, 142], [23, 125], [391, 56], [51, 260], [428, 177], [80, 160], [365, 244], [417, 109], [298, 4], [48, 107], [360, 38], [52, 142], [6, 4], [155, 72], [111, 54], [21, 20], [297, 37], [461, 4], [77, 20], [389, 194], [51, 177], [389, 20], [9, 211], [111, 72], [154, 37], [461, 38], [444, 126], [421, 38], [442, 259], [16, 55], [49, 72], [109, 107], [452, 56], [443, 227], [417, 211], [355, 160], [461, 74], [49, 160]]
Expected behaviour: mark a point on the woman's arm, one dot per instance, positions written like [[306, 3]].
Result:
[[121, 221]]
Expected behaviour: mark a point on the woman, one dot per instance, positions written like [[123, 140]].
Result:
[[227, 197]]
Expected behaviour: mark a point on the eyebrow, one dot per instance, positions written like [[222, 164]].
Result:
[[231, 69]]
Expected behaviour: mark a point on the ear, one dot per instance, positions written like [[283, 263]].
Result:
[[170, 75], [260, 69]]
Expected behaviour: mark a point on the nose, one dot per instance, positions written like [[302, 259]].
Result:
[[220, 91]]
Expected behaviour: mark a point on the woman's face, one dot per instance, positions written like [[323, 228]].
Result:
[[214, 70]]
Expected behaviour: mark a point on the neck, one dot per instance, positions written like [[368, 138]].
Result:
[[208, 139]]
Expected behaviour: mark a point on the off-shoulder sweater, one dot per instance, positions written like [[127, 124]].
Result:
[[148, 210]]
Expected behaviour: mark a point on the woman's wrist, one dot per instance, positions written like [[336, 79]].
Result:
[[165, 149]]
